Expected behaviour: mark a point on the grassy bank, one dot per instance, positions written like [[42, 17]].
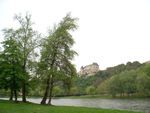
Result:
[[11, 107]]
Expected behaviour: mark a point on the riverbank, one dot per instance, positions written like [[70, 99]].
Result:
[[11, 107], [102, 97], [88, 97]]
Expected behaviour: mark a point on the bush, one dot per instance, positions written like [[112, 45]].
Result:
[[90, 90]]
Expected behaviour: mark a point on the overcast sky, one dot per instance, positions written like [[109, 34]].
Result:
[[110, 32]]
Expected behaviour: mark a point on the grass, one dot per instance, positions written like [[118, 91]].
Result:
[[11, 107]]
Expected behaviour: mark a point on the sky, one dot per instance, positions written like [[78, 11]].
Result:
[[110, 32]]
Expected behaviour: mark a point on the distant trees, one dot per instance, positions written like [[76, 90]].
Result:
[[143, 80], [121, 80], [126, 83], [74, 90], [101, 79], [90, 90], [56, 91], [122, 84], [143, 84]]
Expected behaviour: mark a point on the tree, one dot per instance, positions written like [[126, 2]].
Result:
[[129, 83], [114, 85], [123, 83], [56, 55], [143, 83], [103, 87], [28, 40], [11, 60]]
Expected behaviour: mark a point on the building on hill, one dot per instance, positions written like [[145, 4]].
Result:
[[89, 70]]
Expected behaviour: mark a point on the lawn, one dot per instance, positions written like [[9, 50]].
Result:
[[11, 107]]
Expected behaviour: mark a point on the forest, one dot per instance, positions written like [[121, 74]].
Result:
[[125, 80]]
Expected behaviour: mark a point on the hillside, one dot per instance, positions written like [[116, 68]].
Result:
[[124, 79]]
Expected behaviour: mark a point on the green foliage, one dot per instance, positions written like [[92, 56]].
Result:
[[133, 82], [143, 84], [19, 68], [90, 90], [11, 59], [103, 88], [123, 80], [74, 91], [145, 68], [124, 83], [18, 52], [57, 91], [56, 55], [35, 87]]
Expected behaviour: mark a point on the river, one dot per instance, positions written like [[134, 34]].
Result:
[[121, 104]]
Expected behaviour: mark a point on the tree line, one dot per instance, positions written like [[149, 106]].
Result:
[[128, 83], [22, 65], [124, 80]]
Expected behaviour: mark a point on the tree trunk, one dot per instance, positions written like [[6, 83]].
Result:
[[23, 82], [23, 92], [11, 95], [48, 85], [15, 92], [50, 91], [46, 91]]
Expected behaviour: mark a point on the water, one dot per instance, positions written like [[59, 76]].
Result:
[[122, 104]]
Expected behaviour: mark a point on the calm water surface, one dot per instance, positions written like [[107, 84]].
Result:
[[122, 104]]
